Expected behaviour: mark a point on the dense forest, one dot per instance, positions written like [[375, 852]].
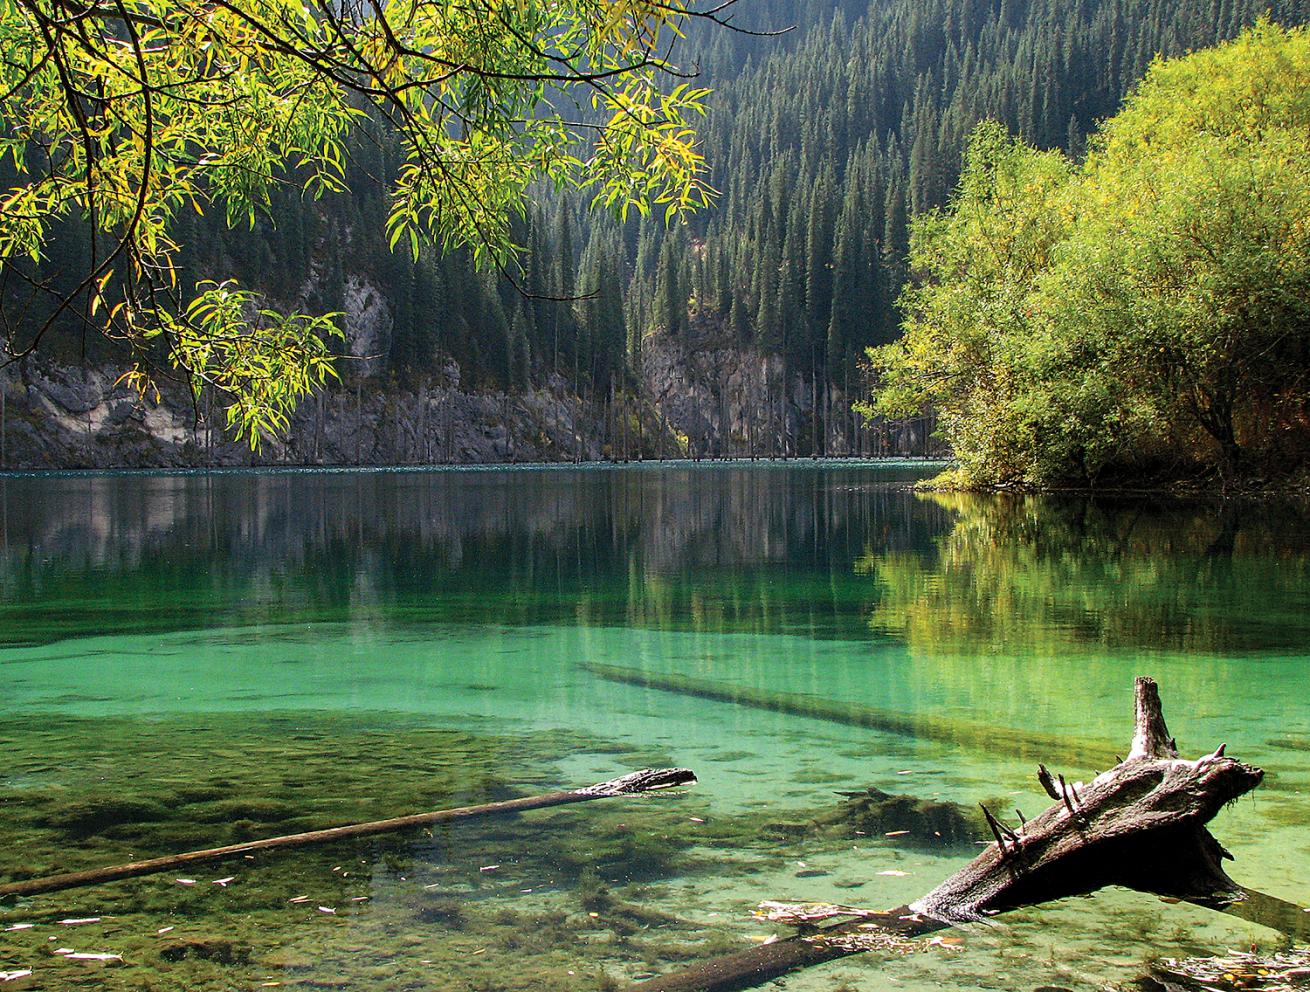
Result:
[[825, 140]]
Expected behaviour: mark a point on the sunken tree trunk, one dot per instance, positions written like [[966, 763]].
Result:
[[646, 780], [1142, 825]]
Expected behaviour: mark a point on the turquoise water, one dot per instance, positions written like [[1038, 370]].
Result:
[[194, 660]]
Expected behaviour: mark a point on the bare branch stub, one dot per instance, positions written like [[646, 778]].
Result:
[[1151, 738]]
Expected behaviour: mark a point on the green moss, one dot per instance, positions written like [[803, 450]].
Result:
[[408, 912], [96, 814]]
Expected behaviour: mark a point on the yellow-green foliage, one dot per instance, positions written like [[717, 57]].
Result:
[[1149, 307], [127, 112]]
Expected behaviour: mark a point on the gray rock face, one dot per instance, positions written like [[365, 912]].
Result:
[[731, 400], [62, 418], [698, 398]]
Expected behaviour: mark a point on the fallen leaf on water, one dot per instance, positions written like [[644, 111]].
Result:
[[299, 899], [480, 950], [360, 899], [894, 873], [950, 943], [695, 819], [269, 985], [327, 909], [761, 939]]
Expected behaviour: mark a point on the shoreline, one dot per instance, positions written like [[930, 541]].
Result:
[[592, 465]]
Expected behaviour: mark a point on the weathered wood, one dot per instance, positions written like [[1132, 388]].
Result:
[[1140, 825], [647, 780], [1023, 744]]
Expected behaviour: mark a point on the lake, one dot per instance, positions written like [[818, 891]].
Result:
[[194, 660]]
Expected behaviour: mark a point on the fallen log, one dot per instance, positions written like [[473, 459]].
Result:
[[1023, 744], [647, 780], [1140, 825]]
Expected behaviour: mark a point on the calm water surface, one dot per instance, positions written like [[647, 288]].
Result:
[[187, 661]]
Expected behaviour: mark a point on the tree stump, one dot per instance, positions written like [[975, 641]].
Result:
[[1141, 825]]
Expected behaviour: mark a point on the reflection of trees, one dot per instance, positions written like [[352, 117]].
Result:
[[710, 549], [1043, 575]]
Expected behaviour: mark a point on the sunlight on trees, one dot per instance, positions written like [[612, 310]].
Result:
[[1149, 308], [128, 112]]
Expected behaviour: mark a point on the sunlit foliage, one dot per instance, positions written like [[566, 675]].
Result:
[[1149, 308], [128, 112]]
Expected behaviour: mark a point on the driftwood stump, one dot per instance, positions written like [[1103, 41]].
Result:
[[1142, 825]]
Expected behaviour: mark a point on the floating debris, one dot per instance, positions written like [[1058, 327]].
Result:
[[297, 900], [165, 930], [867, 937], [62, 950], [223, 882], [896, 833], [185, 881], [1238, 970], [93, 956], [327, 909], [488, 867], [806, 914], [10, 976], [79, 921], [894, 873], [19, 926]]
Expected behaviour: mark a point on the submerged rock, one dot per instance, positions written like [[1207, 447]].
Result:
[[216, 949], [913, 821], [97, 814]]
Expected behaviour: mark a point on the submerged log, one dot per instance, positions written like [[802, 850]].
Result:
[[647, 780], [1023, 744], [1140, 825]]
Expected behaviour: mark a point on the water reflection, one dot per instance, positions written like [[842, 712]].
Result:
[[828, 552], [1045, 575], [703, 547]]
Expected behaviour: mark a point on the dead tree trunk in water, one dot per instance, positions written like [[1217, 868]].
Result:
[[1140, 825]]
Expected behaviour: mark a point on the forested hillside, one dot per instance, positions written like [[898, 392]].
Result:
[[825, 152], [824, 142]]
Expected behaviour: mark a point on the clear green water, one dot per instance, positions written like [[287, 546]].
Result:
[[194, 660]]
